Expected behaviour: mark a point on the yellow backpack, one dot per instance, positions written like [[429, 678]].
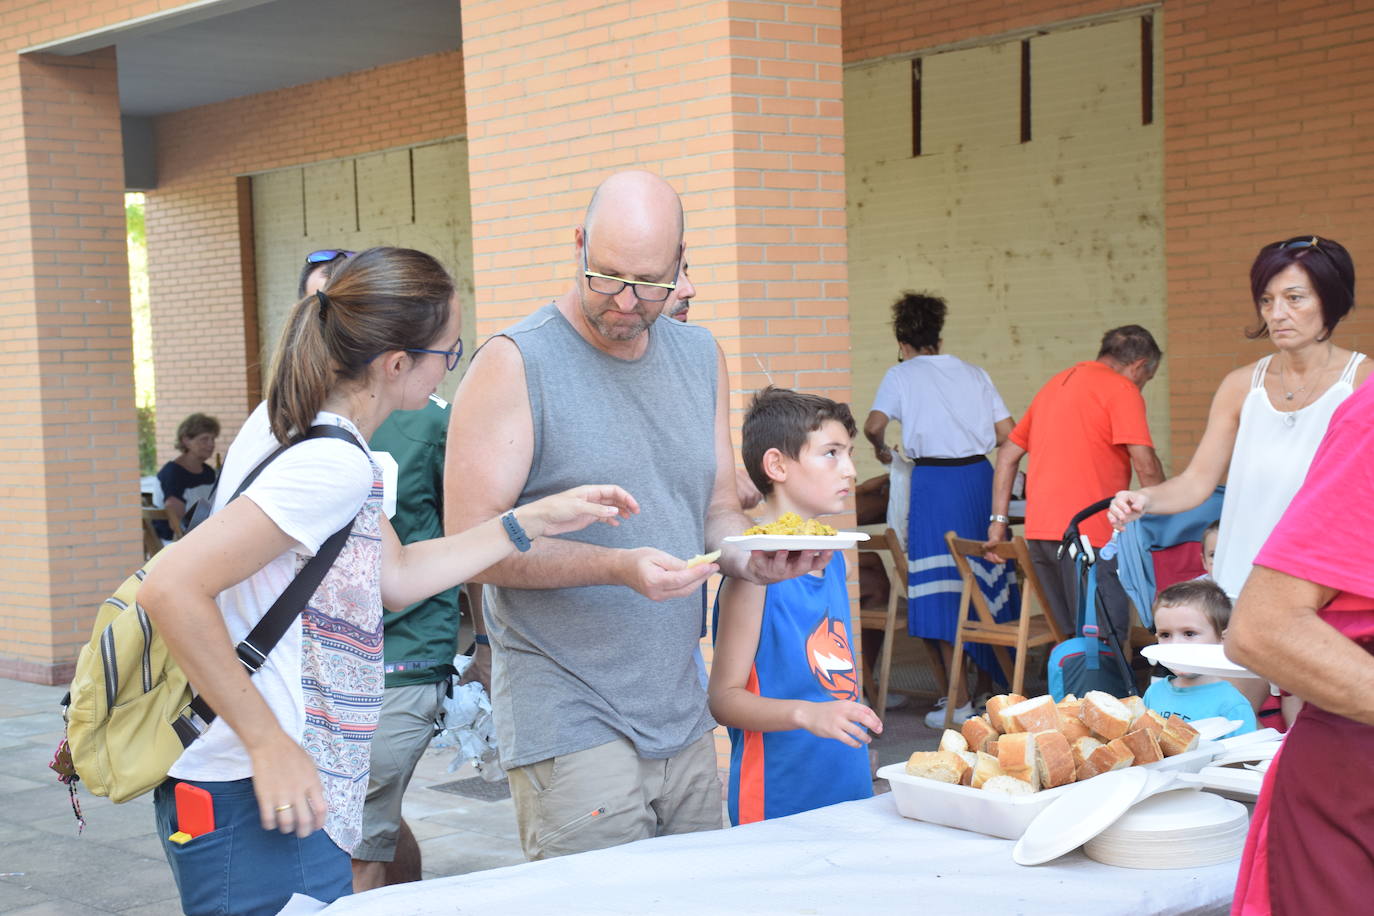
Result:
[[131, 711]]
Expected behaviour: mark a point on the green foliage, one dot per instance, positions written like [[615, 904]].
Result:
[[147, 439]]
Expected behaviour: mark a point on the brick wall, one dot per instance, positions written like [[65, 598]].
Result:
[[69, 523], [196, 268], [1269, 133]]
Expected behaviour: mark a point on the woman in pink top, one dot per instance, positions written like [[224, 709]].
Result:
[[1305, 620]]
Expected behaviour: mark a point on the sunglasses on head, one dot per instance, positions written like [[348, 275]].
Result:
[[325, 255], [1313, 242]]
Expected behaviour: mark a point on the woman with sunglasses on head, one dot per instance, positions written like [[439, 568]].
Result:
[[319, 267], [289, 751], [1268, 417]]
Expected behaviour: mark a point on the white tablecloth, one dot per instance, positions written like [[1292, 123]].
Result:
[[859, 857]]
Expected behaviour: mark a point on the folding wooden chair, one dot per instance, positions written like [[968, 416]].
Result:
[[1032, 627], [151, 542], [889, 620]]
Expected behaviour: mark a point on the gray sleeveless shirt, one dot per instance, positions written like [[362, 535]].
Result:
[[574, 668]]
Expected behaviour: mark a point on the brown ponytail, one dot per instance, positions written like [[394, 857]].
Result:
[[381, 299]]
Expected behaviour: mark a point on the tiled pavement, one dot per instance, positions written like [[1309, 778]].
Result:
[[117, 865]]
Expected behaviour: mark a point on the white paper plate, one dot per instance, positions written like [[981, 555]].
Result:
[[1258, 736], [1194, 658], [1228, 781], [1079, 815], [1215, 727], [842, 541], [1249, 753]]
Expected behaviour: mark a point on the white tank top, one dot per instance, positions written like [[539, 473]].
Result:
[[1268, 464]]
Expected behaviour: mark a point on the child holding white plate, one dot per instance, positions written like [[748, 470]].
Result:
[[784, 680], [1196, 611]]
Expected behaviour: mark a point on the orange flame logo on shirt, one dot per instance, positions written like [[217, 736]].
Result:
[[832, 660]]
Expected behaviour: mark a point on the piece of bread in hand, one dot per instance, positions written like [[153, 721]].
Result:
[[1143, 746], [1053, 758], [1009, 785], [1107, 757], [1178, 737], [979, 734], [997, 704], [1034, 715], [941, 766], [1016, 755], [986, 768], [1107, 716], [1151, 721], [1082, 750], [953, 741]]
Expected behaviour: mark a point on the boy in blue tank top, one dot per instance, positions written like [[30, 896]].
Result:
[[784, 680]]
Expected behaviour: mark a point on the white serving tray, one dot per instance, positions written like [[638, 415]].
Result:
[[996, 813]]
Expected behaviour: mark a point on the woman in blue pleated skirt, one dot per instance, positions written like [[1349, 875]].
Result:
[[951, 416]]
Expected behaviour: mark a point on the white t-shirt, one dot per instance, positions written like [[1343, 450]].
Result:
[[309, 492], [947, 407]]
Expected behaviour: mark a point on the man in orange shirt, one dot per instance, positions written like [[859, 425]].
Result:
[[1085, 431]]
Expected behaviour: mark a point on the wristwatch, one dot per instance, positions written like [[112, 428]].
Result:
[[999, 518]]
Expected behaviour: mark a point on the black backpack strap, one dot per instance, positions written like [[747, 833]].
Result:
[[257, 645]]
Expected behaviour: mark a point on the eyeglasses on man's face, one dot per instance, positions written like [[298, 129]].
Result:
[[607, 285]]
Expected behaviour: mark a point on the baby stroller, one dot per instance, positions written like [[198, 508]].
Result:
[[1092, 659]]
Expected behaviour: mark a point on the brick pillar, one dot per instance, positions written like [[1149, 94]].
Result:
[[737, 104], [69, 517]]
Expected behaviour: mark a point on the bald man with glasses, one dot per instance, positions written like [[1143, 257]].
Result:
[[600, 713]]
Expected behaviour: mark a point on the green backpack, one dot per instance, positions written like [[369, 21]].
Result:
[[131, 711]]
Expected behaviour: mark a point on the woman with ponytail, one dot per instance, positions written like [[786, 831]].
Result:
[[951, 416], [286, 760]]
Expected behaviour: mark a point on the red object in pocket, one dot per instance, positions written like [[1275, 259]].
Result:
[[195, 810]]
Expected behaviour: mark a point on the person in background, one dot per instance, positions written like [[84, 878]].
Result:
[[1209, 549], [318, 267], [784, 680], [188, 477], [1085, 431], [1196, 612], [1305, 620], [1268, 417], [678, 304], [952, 417], [286, 761]]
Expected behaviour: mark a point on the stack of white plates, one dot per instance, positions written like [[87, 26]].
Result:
[[1179, 829]]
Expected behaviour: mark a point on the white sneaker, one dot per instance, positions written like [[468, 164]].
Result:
[[936, 717]]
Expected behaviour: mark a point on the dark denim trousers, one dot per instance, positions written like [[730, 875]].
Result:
[[240, 868]]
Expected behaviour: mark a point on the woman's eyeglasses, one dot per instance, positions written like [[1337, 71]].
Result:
[[1313, 242], [451, 357]]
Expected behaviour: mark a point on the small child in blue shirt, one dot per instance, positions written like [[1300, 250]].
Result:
[[1196, 611], [783, 679]]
